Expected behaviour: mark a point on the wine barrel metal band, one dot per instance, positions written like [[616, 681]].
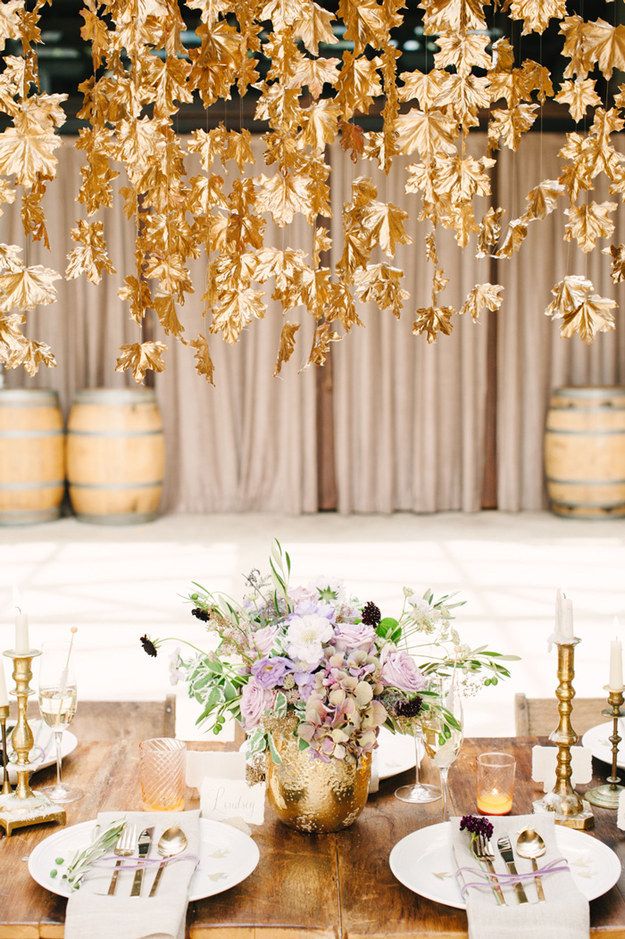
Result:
[[17, 517], [596, 408], [28, 434], [586, 433], [119, 518], [54, 484], [114, 433], [606, 506], [119, 486], [591, 391], [585, 482]]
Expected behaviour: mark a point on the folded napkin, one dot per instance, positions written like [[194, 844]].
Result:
[[563, 915], [93, 915]]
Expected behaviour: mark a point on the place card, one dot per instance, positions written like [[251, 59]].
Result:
[[544, 766], [224, 793]]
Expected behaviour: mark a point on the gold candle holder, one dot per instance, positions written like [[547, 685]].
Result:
[[23, 807], [607, 795], [4, 716], [563, 801]]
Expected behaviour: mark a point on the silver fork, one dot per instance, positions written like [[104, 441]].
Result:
[[125, 847], [483, 852]]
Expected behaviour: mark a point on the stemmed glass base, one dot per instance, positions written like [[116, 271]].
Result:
[[418, 794], [62, 794]]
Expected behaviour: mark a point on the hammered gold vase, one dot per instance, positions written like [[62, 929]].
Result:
[[312, 796]]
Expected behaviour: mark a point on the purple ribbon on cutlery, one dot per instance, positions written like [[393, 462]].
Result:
[[486, 881]]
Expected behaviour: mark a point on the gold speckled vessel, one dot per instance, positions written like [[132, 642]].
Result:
[[312, 796]]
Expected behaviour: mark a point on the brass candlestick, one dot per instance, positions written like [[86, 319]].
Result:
[[607, 795], [563, 801], [24, 807], [4, 716]]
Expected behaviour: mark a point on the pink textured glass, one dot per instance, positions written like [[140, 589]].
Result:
[[162, 773]]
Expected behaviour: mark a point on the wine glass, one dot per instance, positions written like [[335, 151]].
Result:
[[57, 706], [443, 750], [418, 793]]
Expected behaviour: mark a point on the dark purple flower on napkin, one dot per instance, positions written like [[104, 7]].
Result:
[[477, 825]]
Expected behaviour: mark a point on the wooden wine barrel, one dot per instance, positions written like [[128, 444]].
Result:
[[115, 455], [585, 452], [32, 456]]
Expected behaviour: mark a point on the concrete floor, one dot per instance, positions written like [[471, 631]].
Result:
[[116, 583]]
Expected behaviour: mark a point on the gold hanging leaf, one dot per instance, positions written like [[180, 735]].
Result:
[[617, 253], [462, 178], [490, 231], [583, 312], [283, 196], [482, 297], [203, 361], [579, 95], [137, 292], [432, 320], [35, 354], [385, 223], [165, 308], [324, 335], [542, 199], [10, 19], [513, 239], [446, 16], [604, 45], [28, 153], [141, 357], [428, 132], [91, 257], [507, 125], [589, 222], [536, 13], [286, 346], [24, 288], [462, 50], [314, 26]]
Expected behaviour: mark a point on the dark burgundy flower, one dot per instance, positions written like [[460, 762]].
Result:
[[148, 646], [371, 615], [409, 708], [476, 825], [200, 613]]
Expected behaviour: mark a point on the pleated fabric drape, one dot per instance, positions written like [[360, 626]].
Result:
[[532, 358], [409, 417], [248, 444]]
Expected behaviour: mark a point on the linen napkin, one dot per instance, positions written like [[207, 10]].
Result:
[[93, 915], [563, 915]]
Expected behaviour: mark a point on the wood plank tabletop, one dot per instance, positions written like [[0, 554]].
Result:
[[327, 887]]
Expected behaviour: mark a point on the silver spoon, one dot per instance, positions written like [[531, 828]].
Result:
[[530, 845], [173, 841]]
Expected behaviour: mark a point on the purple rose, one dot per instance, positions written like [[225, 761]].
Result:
[[400, 671], [353, 636], [270, 672], [255, 700]]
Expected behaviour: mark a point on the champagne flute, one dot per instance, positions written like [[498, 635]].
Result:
[[58, 697], [442, 750], [418, 793]]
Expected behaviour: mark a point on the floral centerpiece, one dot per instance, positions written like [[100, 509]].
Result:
[[312, 674]]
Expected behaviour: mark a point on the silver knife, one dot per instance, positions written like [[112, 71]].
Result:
[[505, 849], [145, 842]]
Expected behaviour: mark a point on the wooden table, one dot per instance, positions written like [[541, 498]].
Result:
[[337, 886]]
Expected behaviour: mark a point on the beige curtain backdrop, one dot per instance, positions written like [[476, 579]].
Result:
[[532, 358], [409, 417], [247, 445]]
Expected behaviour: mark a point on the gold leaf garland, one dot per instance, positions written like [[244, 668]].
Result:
[[307, 98]]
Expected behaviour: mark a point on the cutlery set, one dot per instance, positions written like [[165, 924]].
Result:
[[172, 842], [529, 845]]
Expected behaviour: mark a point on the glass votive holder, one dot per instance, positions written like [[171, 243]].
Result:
[[495, 783], [162, 764]]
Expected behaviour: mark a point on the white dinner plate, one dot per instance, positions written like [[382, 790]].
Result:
[[44, 739], [596, 740], [395, 753], [227, 857], [422, 862]]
